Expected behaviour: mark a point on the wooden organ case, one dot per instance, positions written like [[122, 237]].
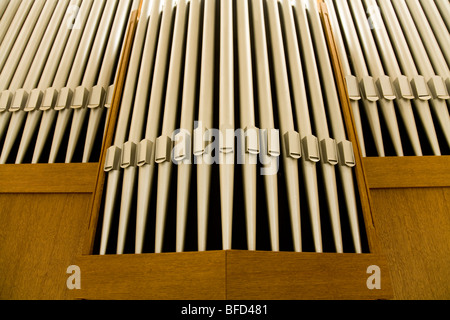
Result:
[[108, 110]]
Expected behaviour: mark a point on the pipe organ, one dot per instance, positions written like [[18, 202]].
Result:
[[243, 111], [225, 125]]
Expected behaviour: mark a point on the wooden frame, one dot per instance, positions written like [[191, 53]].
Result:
[[48, 178], [231, 274], [408, 172], [214, 275]]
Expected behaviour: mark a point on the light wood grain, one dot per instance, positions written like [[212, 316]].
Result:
[[299, 276], [230, 275], [166, 276], [408, 172], [48, 178], [413, 226], [40, 234], [110, 127]]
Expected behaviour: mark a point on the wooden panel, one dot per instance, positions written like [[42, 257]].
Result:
[[294, 276], [230, 275], [166, 276], [413, 226], [408, 172], [48, 178], [39, 236]]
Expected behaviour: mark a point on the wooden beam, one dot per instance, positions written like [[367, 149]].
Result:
[[48, 178], [407, 172], [165, 276], [230, 275]]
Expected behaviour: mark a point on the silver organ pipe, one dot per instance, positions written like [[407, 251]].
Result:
[[444, 10], [58, 92], [16, 26], [8, 14], [96, 69], [3, 6], [147, 162], [379, 73], [269, 156], [337, 127], [9, 80], [33, 112], [430, 66], [230, 132], [201, 134], [362, 80], [408, 70], [394, 71], [39, 49], [303, 119], [77, 79]]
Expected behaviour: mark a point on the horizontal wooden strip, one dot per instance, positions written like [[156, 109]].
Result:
[[407, 172], [163, 276], [230, 275], [305, 276], [48, 178]]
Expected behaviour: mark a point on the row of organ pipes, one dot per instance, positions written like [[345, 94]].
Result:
[[230, 123]]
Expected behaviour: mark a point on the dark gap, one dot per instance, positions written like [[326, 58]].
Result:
[[443, 144], [190, 241], [239, 231], [285, 232], [149, 240], [328, 244], [15, 147], [347, 241], [79, 148], [61, 153], [214, 228], [45, 154], [98, 141], [389, 149], [168, 244], [262, 222], [191, 231], [130, 238], [169, 240], [308, 236], [369, 141], [406, 141], [111, 247], [30, 149]]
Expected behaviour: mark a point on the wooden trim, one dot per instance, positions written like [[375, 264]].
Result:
[[231, 275], [298, 276], [408, 172], [109, 134], [165, 276], [48, 178]]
